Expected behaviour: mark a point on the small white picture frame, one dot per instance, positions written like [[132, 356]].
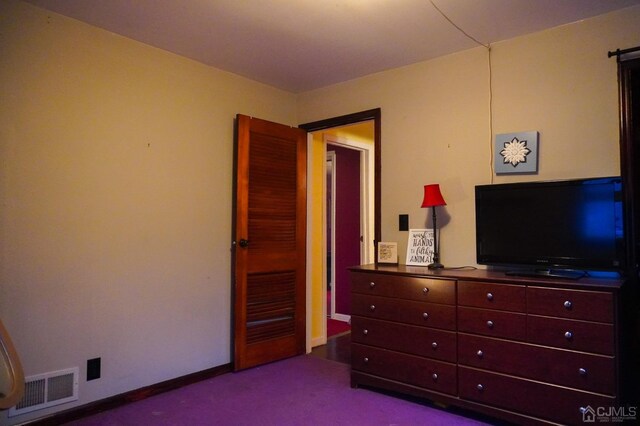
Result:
[[387, 253]]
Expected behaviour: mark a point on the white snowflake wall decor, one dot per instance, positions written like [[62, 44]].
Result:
[[516, 153]]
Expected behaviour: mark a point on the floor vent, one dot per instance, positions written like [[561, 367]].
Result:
[[46, 390]]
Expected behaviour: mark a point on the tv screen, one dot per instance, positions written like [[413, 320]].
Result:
[[571, 224]]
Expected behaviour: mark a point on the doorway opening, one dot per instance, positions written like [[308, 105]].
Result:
[[343, 133], [349, 221]]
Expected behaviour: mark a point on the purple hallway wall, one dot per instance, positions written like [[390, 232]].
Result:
[[347, 232]]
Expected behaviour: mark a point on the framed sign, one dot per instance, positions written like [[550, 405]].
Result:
[[387, 253], [516, 153], [420, 247]]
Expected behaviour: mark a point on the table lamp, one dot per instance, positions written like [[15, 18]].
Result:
[[433, 198]]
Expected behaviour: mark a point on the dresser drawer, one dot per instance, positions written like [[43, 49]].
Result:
[[406, 311], [417, 371], [595, 373], [411, 339], [533, 398], [488, 322], [571, 334], [404, 287], [489, 295], [576, 304]]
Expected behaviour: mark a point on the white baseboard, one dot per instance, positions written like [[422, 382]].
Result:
[[341, 317]]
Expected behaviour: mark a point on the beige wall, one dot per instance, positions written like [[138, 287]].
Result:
[[116, 184], [116, 175], [437, 123]]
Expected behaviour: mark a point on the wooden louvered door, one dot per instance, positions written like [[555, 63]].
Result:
[[269, 242]]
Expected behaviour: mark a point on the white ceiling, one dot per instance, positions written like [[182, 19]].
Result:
[[299, 45]]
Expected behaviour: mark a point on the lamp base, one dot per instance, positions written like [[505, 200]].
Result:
[[435, 265]]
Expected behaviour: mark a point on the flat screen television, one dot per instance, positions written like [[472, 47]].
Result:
[[555, 228]]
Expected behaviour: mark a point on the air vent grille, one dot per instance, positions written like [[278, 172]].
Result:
[[34, 394], [46, 390]]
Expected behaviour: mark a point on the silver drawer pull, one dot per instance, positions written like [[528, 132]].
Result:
[[489, 296], [365, 331], [425, 315], [582, 371], [366, 360], [372, 284], [425, 290], [372, 307], [480, 387], [568, 335], [434, 345], [434, 376], [480, 354], [490, 324], [567, 304]]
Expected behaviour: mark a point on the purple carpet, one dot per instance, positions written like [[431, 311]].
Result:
[[304, 390]]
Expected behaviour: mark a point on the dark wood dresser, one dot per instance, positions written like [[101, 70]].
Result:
[[526, 350]]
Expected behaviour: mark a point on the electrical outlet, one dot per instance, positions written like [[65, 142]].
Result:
[[93, 369], [403, 222]]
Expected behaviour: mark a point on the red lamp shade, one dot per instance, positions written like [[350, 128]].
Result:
[[432, 196]]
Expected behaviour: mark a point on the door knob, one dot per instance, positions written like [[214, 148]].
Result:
[[244, 243]]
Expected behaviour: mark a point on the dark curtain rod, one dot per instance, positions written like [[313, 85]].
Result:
[[619, 52]]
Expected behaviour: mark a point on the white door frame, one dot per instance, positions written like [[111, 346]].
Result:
[[367, 184], [366, 209], [331, 159]]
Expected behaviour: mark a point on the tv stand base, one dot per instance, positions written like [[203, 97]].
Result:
[[548, 273]]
